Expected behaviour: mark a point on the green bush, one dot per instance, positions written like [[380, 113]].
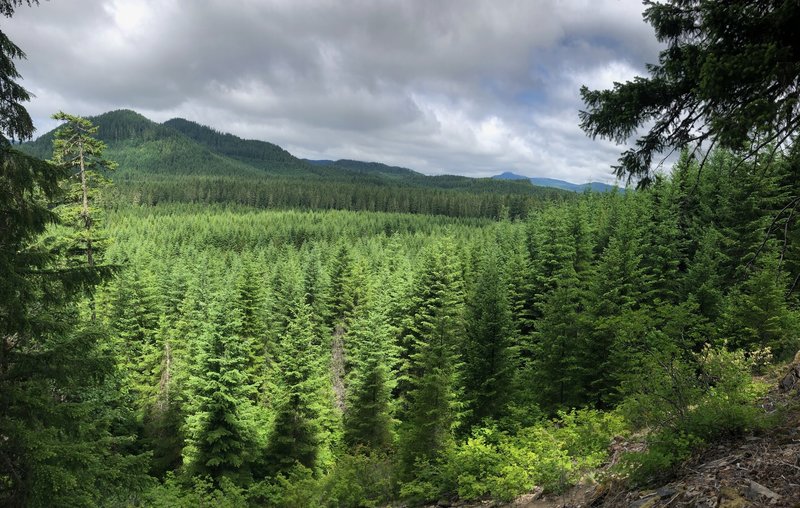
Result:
[[297, 488], [197, 492], [553, 455], [359, 480], [686, 403]]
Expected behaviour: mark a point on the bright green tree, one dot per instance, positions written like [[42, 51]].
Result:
[[303, 401], [221, 429]]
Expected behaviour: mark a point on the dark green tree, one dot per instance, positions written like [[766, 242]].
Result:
[[488, 354], [432, 370], [15, 122], [727, 77]]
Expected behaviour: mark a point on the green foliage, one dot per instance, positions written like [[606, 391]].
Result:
[[553, 455], [687, 403], [76, 149], [736, 83], [304, 399], [200, 492], [433, 364], [488, 357], [359, 480], [294, 488]]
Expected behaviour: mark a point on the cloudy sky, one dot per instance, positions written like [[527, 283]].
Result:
[[448, 86]]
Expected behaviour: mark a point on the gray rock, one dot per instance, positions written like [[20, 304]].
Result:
[[666, 491], [756, 490]]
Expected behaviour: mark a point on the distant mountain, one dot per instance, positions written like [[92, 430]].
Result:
[[558, 184], [142, 146], [508, 175], [181, 160]]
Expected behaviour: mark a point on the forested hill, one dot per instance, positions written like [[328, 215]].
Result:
[[183, 161]]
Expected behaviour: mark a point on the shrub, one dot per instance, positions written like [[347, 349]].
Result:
[[359, 480], [687, 402], [553, 454]]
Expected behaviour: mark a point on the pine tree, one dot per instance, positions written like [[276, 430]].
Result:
[[487, 353], [76, 148], [368, 417], [221, 431], [756, 313], [435, 333], [614, 297], [302, 403]]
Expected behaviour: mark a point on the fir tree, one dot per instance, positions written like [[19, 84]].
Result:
[[368, 417], [487, 353], [432, 369], [302, 403], [221, 429]]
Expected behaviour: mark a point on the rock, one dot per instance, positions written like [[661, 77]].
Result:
[[443, 503], [647, 501], [756, 490], [526, 500], [791, 378], [666, 491]]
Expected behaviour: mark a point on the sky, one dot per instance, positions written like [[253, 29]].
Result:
[[470, 87]]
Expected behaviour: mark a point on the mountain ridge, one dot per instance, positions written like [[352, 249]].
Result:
[[558, 184], [183, 161]]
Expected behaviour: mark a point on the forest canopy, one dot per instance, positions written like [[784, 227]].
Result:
[[728, 77], [229, 325]]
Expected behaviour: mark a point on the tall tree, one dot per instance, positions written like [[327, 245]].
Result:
[[368, 418], [488, 349], [76, 148], [728, 76], [302, 403], [63, 431], [222, 427], [432, 369]]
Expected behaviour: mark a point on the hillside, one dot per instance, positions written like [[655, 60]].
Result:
[[183, 161]]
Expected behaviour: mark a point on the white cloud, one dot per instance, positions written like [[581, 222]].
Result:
[[459, 86]]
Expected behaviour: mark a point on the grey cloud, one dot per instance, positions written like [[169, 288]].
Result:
[[470, 87]]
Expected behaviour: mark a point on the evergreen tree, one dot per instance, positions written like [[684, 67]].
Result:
[[76, 148], [302, 403], [432, 369], [615, 296], [221, 430], [368, 417], [487, 352], [756, 313]]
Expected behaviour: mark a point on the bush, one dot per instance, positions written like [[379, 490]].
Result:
[[552, 455], [297, 488], [197, 492], [687, 403], [359, 480]]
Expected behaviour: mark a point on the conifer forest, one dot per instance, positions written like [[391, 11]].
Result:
[[189, 318]]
